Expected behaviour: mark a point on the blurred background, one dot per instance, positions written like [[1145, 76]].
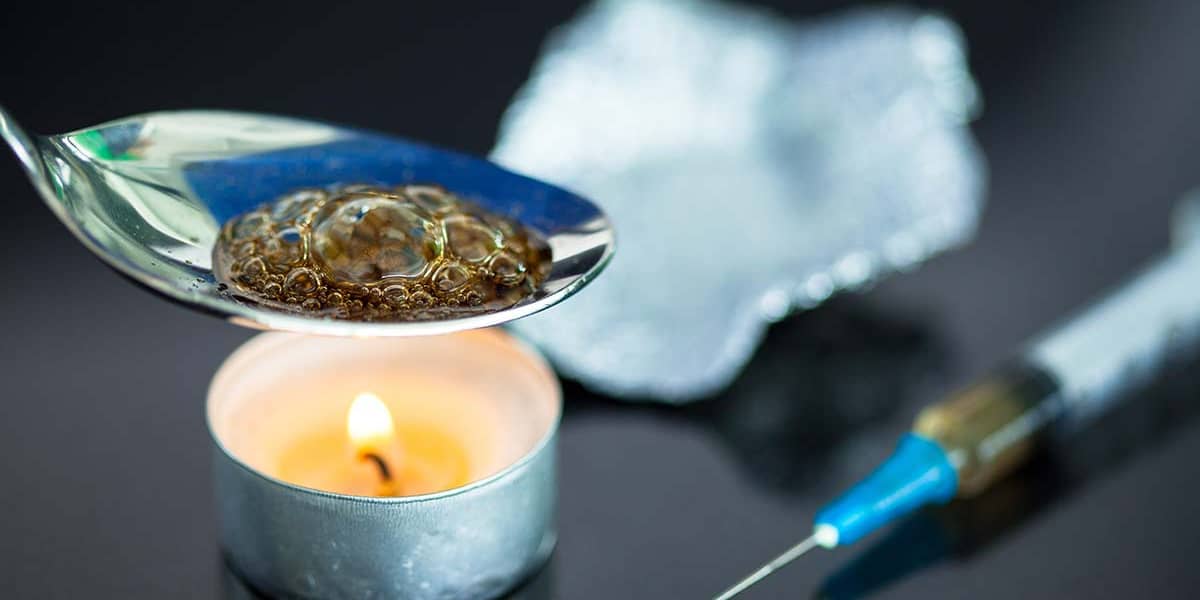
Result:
[[1090, 135]]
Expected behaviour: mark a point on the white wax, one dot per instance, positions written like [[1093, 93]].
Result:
[[491, 395]]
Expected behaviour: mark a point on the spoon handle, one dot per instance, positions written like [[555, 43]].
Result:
[[26, 150]]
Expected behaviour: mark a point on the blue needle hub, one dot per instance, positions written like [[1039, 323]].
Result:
[[917, 473]]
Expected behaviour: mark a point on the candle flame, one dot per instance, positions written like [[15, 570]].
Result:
[[369, 423]]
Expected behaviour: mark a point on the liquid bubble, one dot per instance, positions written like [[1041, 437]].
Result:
[[368, 252]]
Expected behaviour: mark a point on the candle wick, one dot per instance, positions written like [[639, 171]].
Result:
[[384, 472]]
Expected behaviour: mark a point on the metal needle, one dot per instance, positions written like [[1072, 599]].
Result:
[[792, 554]]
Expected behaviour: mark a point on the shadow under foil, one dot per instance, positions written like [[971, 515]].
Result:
[[539, 585], [963, 529], [818, 377]]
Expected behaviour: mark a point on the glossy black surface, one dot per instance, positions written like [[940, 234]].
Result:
[[1091, 131]]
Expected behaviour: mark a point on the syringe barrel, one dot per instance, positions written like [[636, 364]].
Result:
[[1071, 374], [1123, 341]]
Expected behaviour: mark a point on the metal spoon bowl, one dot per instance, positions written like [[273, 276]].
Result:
[[149, 193]]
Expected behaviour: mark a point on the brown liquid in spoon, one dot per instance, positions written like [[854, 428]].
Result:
[[367, 253]]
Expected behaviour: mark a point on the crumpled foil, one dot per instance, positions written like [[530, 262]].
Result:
[[751, 166]]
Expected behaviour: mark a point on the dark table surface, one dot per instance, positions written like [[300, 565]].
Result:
[[1091, 132]]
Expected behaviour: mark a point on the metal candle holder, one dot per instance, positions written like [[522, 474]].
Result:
[[474, 541]]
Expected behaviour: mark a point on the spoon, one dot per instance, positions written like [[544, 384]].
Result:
[[148, 194]]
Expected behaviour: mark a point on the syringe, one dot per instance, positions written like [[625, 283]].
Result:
[[1062, 380]]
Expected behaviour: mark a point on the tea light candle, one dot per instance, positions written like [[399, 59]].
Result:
[[385, 467]]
